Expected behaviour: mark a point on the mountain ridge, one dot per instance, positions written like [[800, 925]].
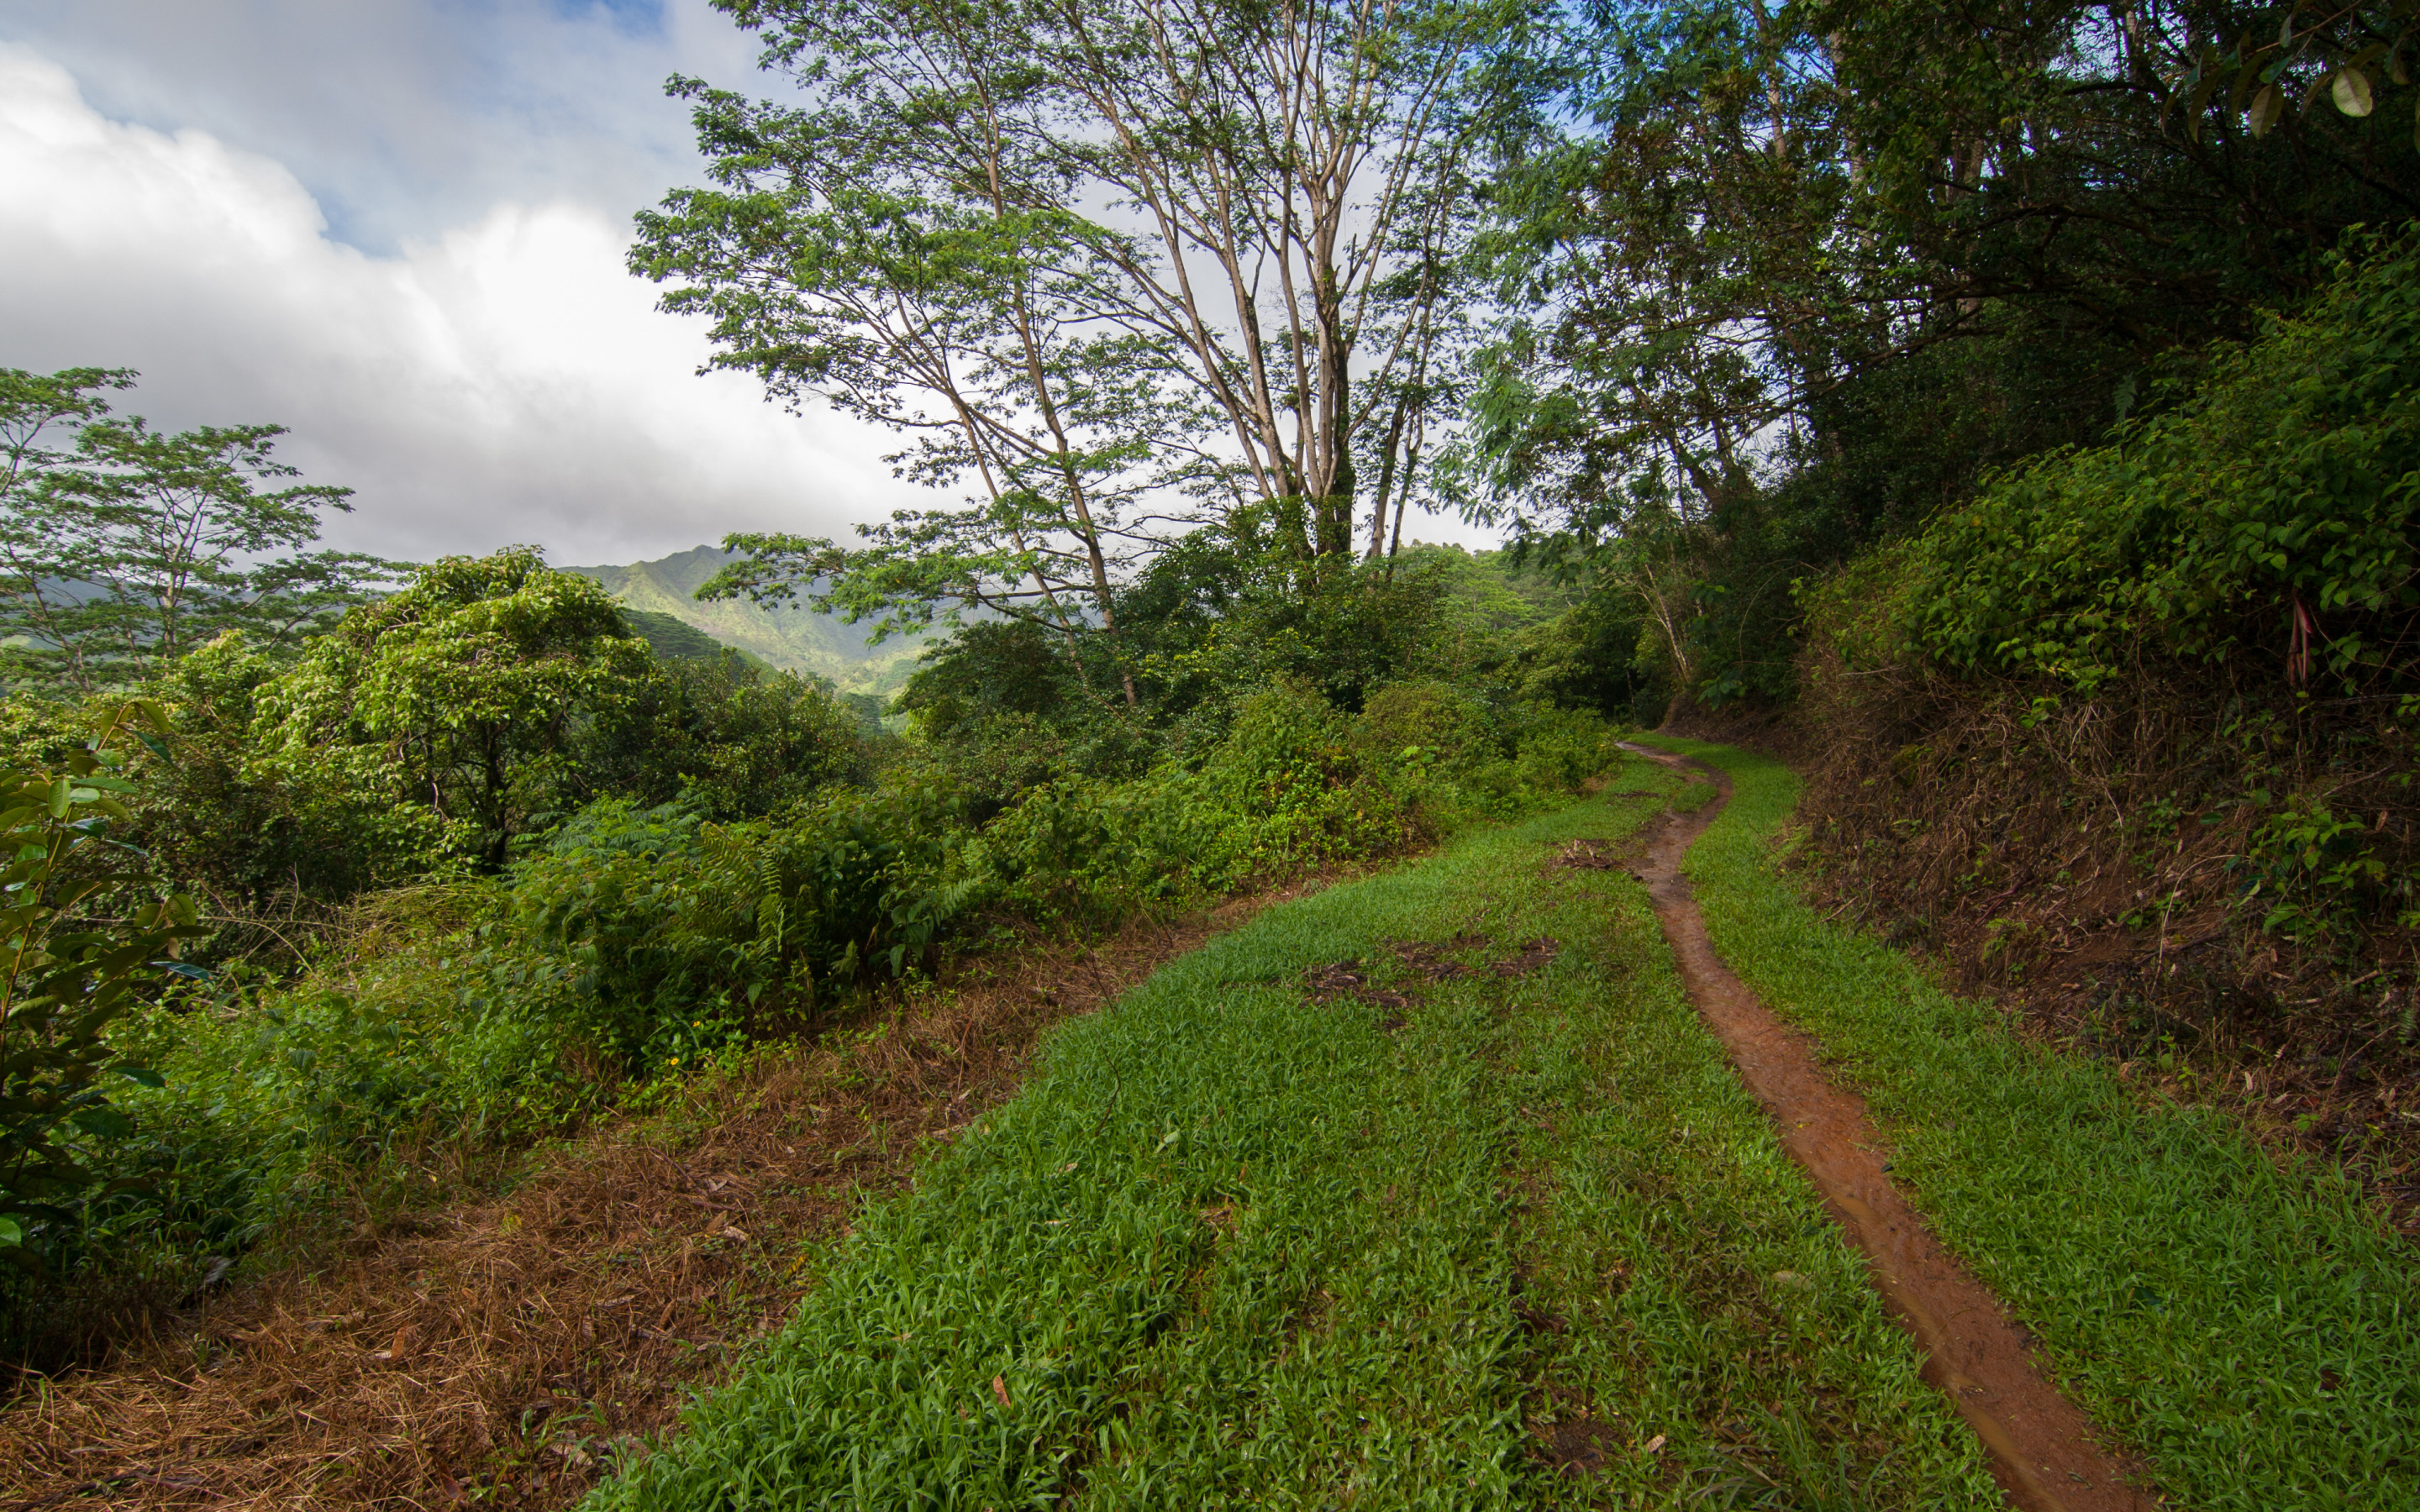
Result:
[[790, 636]]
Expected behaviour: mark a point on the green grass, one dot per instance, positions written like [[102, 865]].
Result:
[[1236, 1248], [2247, 1326]]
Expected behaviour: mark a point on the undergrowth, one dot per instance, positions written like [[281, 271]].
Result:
[[2223, 1312], [458, 1019], [2132, 727]]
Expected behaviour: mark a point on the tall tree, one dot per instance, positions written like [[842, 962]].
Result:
[[1834, 259], [130, 546], [1116, 268], [453, 703]]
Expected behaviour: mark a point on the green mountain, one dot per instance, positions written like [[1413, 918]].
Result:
[[679, 641], [790, 636]]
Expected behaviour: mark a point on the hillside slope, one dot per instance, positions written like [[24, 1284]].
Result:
[[790, 636]]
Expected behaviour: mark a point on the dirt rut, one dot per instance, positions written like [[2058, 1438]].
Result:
[[2043, 1448]]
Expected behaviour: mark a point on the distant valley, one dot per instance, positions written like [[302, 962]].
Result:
[[790, 636]]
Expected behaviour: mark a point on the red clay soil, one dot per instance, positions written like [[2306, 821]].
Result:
[[2043, 1448]]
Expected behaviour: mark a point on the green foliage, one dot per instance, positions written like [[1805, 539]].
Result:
[[1593, 657], [671, 856], [672, 640], [1225, 613], [740, 739], [415, 1039], [1091, 384], [658, 926], [2270, 513], [1782, 284], [67, 970], [128, 550], [239, 830], [458, 701]]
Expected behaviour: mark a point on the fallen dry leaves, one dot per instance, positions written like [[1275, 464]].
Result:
[[502, 1352]]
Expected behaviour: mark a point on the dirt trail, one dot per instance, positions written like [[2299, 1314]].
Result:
[[2043, 1448]]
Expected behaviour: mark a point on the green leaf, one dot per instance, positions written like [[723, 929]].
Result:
[[2266, 107], [2199, 102], [2351, 92], [103, 1122], [144, 1074], [12, 1231]]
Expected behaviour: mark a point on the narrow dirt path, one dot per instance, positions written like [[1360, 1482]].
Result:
[[2043, 1448]]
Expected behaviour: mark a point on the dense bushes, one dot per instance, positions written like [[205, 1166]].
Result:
[[478, 865], [2270, 513], [739, 739], [67, 972], [2214, 614]]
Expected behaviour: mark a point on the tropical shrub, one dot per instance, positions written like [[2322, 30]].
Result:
[[457, 702], [79, 935], [2272, 510]]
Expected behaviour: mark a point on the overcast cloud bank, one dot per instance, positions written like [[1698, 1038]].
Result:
[[504, 380]]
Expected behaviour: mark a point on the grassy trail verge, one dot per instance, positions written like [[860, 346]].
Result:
[[1429, 1190], [2247, 1327], [495, 1351]]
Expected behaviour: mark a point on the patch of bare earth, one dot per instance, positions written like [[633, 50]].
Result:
[[504, 1352]]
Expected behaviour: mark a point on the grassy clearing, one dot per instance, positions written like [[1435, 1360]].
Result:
[[2251, 1328], [1506, 1207]]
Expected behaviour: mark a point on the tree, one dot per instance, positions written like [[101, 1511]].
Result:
[[1120, 269], [739, 740], [453, 706], [133, 547], [1811, 271]]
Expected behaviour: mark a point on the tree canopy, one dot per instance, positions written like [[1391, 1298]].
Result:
[[456, 699], [122, 547], [1785, 280], [1113, 272]]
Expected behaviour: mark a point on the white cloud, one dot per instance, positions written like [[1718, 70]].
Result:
[[504, 380]]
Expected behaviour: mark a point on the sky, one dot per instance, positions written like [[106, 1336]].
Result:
[[397, 228]]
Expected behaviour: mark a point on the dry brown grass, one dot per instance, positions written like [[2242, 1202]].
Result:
[[2032, 862], [500, 1351]]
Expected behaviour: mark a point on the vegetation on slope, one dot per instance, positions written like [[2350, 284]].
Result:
[[476, 865], [790, 636], [2010, 411], [2220, 1311]]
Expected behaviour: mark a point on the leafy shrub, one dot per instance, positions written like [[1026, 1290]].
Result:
[[1434, 718], [1293, 790], [2232, 585], [422, 1037], [663, 929], [2273, 508], [67, 970]]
